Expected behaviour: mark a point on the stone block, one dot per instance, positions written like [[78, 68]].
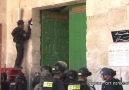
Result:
[[117, 16]]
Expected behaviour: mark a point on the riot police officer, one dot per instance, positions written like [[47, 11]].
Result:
[[4, 83], [64, 65], [52, 83], [45, 73], [20, 84], [36, 78], [19, 36], [71, 77], [81, 83], [58, 72], [111, 83], [45, 69]]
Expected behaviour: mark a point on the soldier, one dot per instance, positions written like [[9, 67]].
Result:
[[19, 36], [81, 83], [110, 82]]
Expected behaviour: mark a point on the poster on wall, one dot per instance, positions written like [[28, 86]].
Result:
[[118, 54], [120, 36]]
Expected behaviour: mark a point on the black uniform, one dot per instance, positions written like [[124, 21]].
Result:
[[71, 77], [19, 36], [36, 80], [79, 85], [68, 82], [52, 84], [21, 85], [21, 82], [112, 84], [4, 83]]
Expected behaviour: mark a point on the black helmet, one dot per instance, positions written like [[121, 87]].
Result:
[[45, 67], [105, 71], [62, 63], [58, 68], [71, 73], [113, 72], [84, 72], [20, 22]]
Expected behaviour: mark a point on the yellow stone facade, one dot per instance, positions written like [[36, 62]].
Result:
[[103, 16]]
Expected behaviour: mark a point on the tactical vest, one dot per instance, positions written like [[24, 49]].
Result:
[[50, 84]]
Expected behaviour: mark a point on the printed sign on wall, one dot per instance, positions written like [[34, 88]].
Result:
[[118, 54], [120, 36]]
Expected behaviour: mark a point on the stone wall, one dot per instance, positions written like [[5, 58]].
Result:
[[31, 61], [3, 22], [104, 16]]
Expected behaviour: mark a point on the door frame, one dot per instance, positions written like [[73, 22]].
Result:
[[36, 42]]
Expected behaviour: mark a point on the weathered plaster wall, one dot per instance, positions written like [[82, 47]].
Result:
[[3, 22], [12, 17], [104, 16], [32, 47]]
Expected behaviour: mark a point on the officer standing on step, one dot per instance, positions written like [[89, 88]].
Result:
[[81, 83], [107, 74], [19, 37]]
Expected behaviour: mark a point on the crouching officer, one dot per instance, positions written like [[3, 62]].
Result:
[[81, 83], [107, 74]]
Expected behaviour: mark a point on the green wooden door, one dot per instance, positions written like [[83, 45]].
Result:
[[77, 36], [54, 38]]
